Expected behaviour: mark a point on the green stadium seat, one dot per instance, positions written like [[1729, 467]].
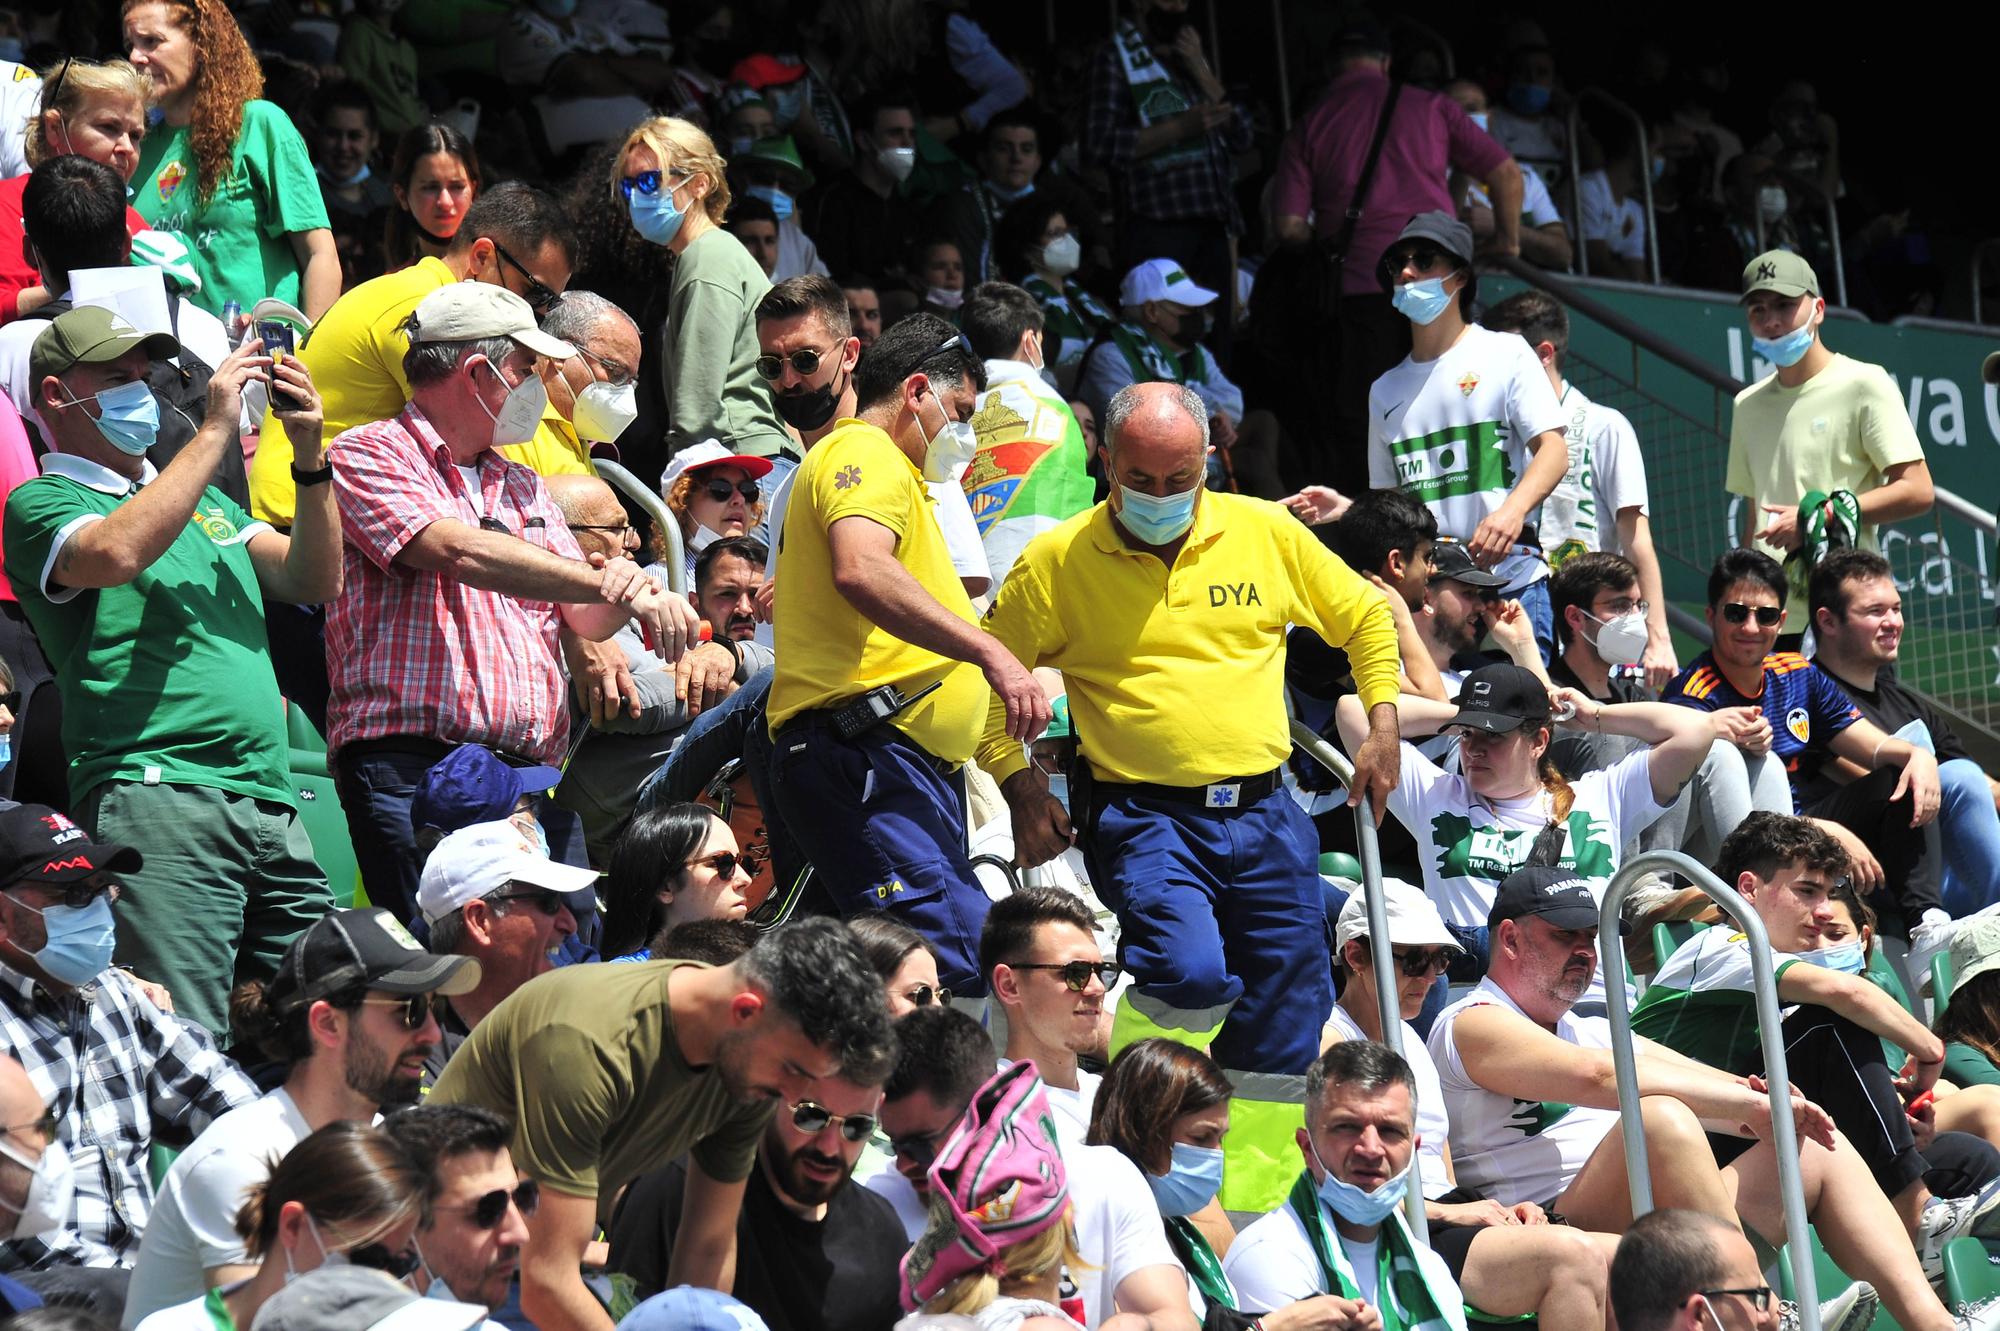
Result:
[[319, 809], [1940, 983], [1668, 937], [1971, 1273], [1831, 1281]]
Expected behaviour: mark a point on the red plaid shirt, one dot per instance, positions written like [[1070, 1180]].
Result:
[[411, 652]]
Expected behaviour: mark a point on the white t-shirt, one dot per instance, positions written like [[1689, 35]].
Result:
[[1433, 1122], [1072, 1108], [193, 1225], [1538, 207], [1510, 1150], [1619, 223], [1455, 431], [189, 1316], [1272, 1265], [20, 102], [1606, 476], [1118, 1228]]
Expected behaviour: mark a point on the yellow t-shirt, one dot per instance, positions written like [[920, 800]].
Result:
[[355, 355], [827, 651], [1176, 676]]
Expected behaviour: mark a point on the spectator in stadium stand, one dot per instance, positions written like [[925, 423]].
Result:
[[1203, 934], [670, 179], [1318, 168], [225, 168], [937, 275], [1041, 959], [1465, 384], [458, 560], [1162, 126], [1534, 1113], [42, 1170], [1885, 818], [1159, 340], [597, 409], [1031, 469], [490, 893], [755, 225], [1387, 537], [1819, 423], [1544, 234], [864, 308], [119, 1071], [477, 1221], [814, 1248], [612, 1071], [1857, 620], [351, 1015], [436, 179], [867, 595], [344, 144], [1527, 122], [1969, 1023], [862, 220], [1613, 226], [1344, 1208], [905, 962], [1035, 247], [772, 174], [674, 864], [1010, 158], [1679, 1270], [1600, 503], [103, 549], [807, 351], [1837, 1025], [1465, 607], [382, 63], [95, 110]]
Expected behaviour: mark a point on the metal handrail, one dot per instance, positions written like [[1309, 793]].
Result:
[[1389, 1012], [1978, 271], [1839, 260], [1770, 1032], [1645, 177], [1284, 64], [664, 521]]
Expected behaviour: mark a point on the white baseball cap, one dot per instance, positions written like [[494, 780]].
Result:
[[1413, 920], [468, 311], [483, 858], [1162, 279]]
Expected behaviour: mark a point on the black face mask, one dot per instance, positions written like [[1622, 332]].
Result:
[[1190, 327], [807, 410], [1163, 25]]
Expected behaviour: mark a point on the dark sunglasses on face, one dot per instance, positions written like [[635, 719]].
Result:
[[811, 1118], [490, 1208], [377, 1257], [720, 490], [1768, 616], [726, 863], [1419, 961], [924, 995], [46, 1125], [11, 700], [415, 1009], [804, 361], [548, 902], [76, 896], [919, 1149], [1418, 258], [644, 182], [539, 295], [1076, 974]]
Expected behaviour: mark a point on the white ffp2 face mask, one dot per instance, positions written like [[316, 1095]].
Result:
[[521, 414], [1621, 640], [604, 410], [51, 1191]]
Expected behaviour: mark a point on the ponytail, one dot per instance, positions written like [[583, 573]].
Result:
[[1561, 795]]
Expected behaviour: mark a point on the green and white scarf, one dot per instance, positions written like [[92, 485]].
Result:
[[1149, 359], [1403, 1296], [1155, 95], [1203, 1266]]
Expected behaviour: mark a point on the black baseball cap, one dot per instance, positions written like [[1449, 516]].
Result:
[[368, 948], [39, 845], [1499, 699], [1450, 558], [1441, 229], [1556, 895]]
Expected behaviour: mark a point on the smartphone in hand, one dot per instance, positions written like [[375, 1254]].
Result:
[[279, 342]]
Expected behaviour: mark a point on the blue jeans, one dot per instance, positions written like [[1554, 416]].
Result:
[[1971, 835], [1534, 599]]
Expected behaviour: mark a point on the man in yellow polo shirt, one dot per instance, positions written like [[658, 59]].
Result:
[[878, 695], [1165, 607], [513, 237]]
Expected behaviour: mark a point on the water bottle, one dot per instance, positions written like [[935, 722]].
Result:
[[232, 320]]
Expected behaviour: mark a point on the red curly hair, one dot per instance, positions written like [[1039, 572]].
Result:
[[226, 78]]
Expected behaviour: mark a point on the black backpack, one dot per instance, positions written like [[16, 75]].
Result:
[[182, 392]]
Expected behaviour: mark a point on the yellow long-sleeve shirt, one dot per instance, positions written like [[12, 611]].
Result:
[[1176, 676]]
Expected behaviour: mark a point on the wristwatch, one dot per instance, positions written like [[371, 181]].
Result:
[[311, 478]]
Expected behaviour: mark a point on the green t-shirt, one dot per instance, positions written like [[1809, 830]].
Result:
[[1703, 1003], [1966, 1066], [166, 679], [238, 241], [708, 351], [585, 1062]]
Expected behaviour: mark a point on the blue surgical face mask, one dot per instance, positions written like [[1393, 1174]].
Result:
[[1356, 1206], [1422, 302], [80, 939], [781, 202], [1846, 957], [1191, 1181], [1530, 99], [128, 416], [1477, 117], [655, 216], [1156, 521], [1787, 350]]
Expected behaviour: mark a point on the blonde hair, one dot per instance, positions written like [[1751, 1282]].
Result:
[[1047, 1251], [681, 145], [85, 81]]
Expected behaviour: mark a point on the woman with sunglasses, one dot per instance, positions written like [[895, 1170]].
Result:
[[713, 493], [903, 959], [675, 863], [346, 1195], [669, 179], [226, 169], [93, 110], [435, 177]]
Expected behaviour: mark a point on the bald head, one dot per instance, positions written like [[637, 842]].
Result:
[[21, 1109], [595, 517], [1157, 413]]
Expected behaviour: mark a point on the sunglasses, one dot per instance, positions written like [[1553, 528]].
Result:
[[1768, 616], [924, 995], [416, 1009], [1418, 258], [720, 490], [76, 896], [46, 1125], [919, 1149], [1759, 1295], [545, 900], [1419, 961], [541, 297], [646, 182], [490, 1209], [726, 863], [1076, 974], [11, 700], [377, 1257], [804, 361], [811, 1118]]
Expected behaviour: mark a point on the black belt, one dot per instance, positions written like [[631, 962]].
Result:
[[425, 746], [1236, 793]]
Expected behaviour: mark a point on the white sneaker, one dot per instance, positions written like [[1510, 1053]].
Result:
[[1981, 1316], [1948, 1218], [1850, 1310], [1929, 938]]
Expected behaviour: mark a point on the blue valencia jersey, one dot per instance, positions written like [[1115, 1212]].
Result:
[[1805, 707]]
